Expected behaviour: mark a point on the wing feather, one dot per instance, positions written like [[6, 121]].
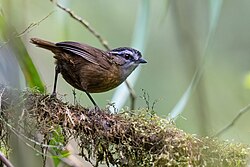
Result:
[[87, 52]]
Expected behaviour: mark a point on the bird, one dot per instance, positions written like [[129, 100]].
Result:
[[90, 69]]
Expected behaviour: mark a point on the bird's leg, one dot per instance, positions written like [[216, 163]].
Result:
[[74, 96], [92, 100], [57, 71]]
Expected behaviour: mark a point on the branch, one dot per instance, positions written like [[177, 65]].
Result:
[[5, 160], [15, 34], [242, 111], [85, 24], [131, 138], [132, 95]]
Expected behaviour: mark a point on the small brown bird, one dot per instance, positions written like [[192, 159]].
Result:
[[90, 69]]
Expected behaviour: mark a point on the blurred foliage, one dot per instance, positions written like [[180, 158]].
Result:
[[247, 81], [176, 39], [57, 139], [11, 38], [177, 36]]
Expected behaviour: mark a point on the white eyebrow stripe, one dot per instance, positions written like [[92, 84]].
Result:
[[123, 52]]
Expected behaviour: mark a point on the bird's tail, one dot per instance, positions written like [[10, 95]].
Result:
[[44, 44]]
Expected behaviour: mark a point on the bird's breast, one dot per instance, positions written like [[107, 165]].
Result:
[[89, 77], [103, 80]]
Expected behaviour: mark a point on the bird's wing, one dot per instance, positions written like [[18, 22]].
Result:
[[89, 53]]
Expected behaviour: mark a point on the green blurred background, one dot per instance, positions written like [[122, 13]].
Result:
[[176, 39]]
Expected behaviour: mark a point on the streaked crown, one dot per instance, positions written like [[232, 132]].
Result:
[[131, 58]]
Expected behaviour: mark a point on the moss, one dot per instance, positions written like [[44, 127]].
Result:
[[130, 138]]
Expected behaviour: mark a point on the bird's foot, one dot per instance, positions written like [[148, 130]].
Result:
[[53, 95]]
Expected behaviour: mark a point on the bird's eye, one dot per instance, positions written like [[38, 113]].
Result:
[[127, 57]]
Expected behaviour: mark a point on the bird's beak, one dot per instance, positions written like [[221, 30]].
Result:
[[141, 60]]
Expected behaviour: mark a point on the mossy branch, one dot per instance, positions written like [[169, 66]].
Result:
[[130, 138]]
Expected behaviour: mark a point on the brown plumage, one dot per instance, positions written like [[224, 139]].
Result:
[[90, 69]]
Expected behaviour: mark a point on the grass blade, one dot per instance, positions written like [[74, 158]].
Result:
[[139, 39], [215, 9]]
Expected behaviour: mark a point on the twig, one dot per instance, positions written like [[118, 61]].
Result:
[[26, 30], [22, 137], [33, 25], [242, 111], [85, 24], [5, 160], [132, 95]]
